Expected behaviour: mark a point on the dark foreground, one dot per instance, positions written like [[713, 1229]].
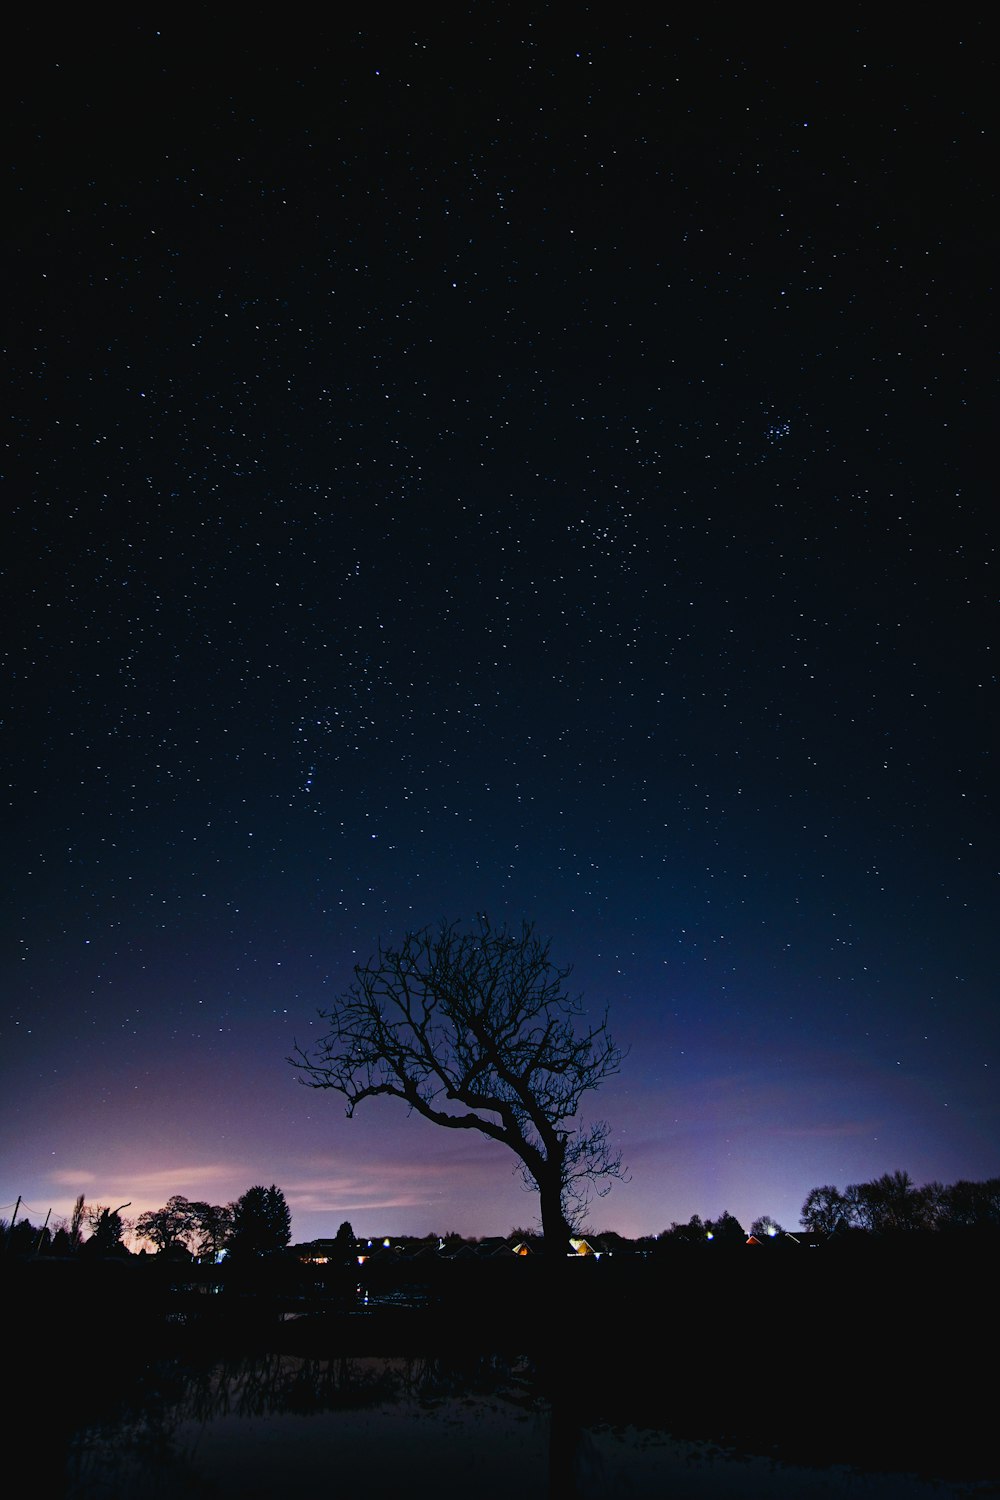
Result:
[[882, 1361]]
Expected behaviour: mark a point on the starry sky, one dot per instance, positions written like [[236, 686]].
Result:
[[491, 463]]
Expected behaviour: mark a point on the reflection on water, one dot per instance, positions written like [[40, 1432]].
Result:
[[476, 1426]]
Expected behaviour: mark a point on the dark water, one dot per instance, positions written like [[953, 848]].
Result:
[[477, 1427]]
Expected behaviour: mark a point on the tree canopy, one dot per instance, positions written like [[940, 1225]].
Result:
[[212, 1225], [257, 1223], [261, 1222], [475, 1030], [167, 1228]]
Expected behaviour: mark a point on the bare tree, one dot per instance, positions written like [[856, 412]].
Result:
[[824, 1210], [475, 1031], [886, 1204]]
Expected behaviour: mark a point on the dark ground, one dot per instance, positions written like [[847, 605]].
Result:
[[881, 1359]]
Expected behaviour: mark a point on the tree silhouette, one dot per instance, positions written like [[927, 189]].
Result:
[[475, 1031], [107, 1227], [167, 1228], [212, 1226], [694, 1232], [345, 1244], [824, 1209], [765, 1227], [888, 1203], [76, 1224], [262, 1223], [892, 1204], [726, 1230], [971, 1205], [23, 1239]]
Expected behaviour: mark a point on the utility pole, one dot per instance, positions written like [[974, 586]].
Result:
[[41, 1232]]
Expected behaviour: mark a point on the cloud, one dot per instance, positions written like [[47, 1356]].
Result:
[[166, 1178], [147, 1188], [385, 1185]]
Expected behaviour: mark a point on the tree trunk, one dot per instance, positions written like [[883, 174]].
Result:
[[555, 1229]]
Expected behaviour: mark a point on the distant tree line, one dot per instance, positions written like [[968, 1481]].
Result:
[[725, 1230], [889, 1204], [892, 1203], [258, 1223]]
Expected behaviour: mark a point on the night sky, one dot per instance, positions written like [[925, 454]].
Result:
[[512, 463]]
